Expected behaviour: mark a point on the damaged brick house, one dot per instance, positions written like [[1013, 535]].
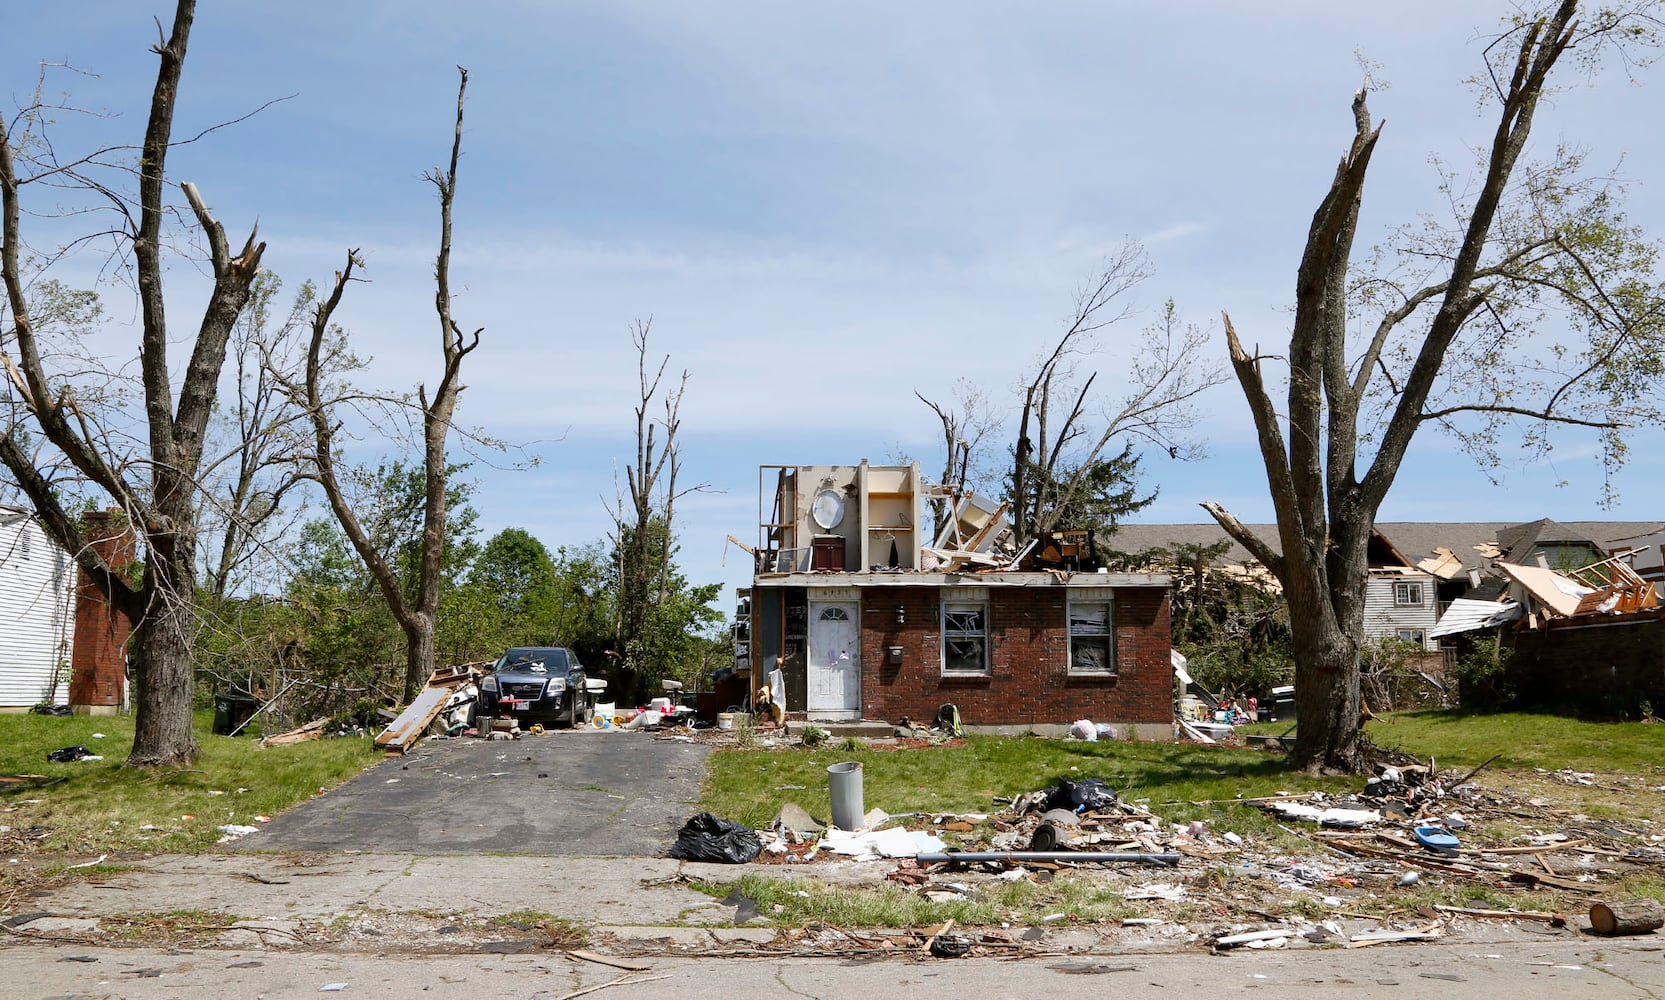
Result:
[[869, 614]]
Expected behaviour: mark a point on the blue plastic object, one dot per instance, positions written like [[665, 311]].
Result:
[[1437, 838]]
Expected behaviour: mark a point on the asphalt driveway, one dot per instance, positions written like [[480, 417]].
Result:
[[587, 793]]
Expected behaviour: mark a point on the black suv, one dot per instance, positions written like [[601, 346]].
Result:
[[536, 684]]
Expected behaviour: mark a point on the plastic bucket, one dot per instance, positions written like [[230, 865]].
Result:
[[844, 788]]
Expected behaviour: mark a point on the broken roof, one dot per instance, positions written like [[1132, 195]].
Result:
[[1517, 541], [1416, 539], [1556, 593], [1471, 616]]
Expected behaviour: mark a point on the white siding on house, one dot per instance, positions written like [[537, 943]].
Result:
[[1388, 616], [37, 614]]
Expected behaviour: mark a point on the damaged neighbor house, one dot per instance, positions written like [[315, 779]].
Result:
[[869, 613], [1402, 599], [1590, 639]]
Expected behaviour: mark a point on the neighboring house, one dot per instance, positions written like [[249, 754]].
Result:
[[37, 614], [1460, 555], [1563, 547], [867, 620], [1400, 600], [1645, 553]]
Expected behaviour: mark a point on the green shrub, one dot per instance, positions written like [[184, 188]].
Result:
[[1482, 674]]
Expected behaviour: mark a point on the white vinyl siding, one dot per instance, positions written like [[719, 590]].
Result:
[[37, 614], [1388, 611]]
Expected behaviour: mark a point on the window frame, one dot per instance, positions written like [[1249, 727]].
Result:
[[1408, 586], [961, 601], [1415, 636], [1099, 597]]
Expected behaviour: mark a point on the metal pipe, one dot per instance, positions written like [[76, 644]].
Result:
[[1090, 856]]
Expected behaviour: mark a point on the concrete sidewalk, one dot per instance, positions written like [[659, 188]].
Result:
[[274, 899]]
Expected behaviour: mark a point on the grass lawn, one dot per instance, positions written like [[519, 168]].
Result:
[[1524, 740], [751, 786], [98, 807]]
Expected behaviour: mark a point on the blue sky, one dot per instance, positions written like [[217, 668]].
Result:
[[822, 207]]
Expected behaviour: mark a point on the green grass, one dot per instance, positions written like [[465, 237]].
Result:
[[1524, 740], [98, 807], [791, 902], [749, 786]]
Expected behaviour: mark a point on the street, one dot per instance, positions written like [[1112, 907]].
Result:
[[1568, 968]]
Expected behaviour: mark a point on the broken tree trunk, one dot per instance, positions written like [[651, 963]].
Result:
[[1627, 916]]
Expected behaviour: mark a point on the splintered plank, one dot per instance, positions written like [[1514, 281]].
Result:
[[404, 730]]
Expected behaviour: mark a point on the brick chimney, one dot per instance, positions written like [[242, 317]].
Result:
[[98, 661]]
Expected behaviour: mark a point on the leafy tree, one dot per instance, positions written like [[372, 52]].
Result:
[[508, 599], [519, 573], [1231, 626], [584, 598], [666, 637], [1533, 306], [151, 470], [1100, 495]]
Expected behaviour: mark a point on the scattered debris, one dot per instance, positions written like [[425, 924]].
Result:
[[69, 754], [608, 960], [446, 689], [795, 819], [311, 731]]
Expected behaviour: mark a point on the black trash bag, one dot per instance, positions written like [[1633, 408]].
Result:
[[68, 754], [707, 838], [61, 711], [1081, 796]]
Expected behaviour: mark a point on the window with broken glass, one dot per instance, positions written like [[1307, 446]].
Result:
[[1091, 649], [965, 638]]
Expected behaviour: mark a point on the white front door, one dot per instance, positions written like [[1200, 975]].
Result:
[[835, 660]]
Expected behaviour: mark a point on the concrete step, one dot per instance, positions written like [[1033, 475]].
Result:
[[862, 729]]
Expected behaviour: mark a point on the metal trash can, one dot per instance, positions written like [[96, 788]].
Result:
[[844, 787]]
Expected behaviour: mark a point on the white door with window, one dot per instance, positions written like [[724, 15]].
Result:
[[835, 660]]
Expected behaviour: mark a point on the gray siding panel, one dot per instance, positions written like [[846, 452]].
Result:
[[1384, 617]]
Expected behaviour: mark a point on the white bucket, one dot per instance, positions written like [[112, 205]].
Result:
[[725, 720], [604, 710]]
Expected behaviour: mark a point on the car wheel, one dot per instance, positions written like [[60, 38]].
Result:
[[582, 706]]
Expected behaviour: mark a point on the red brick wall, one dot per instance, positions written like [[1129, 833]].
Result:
[[1029, 682], [98, 661]]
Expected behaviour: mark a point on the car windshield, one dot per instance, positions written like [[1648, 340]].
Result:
[[538, 661]]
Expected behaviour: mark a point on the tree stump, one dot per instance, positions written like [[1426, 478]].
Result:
[[1627, 916]]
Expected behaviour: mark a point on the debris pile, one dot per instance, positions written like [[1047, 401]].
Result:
[[1363, 879]]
